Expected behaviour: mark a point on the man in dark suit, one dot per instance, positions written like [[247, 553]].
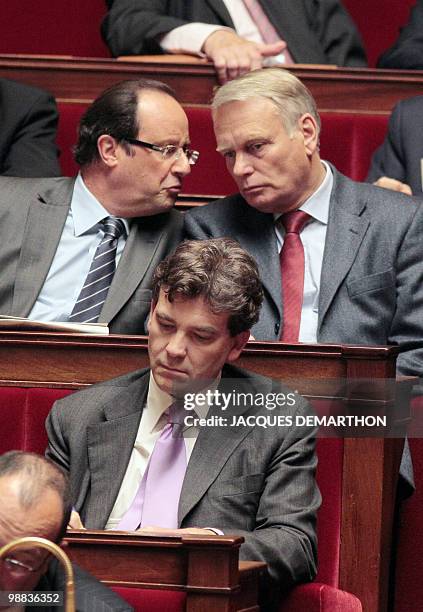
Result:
[[35, 501], [237, 476], [407, 52], [306, 31], [398, 163], [28, 119], [134, 153], [361, 276]]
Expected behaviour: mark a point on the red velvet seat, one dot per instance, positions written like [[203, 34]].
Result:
[[61, 27], [348, 140], [379, 22], [408, 579]]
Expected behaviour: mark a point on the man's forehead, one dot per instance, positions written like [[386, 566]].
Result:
[[202, 314]]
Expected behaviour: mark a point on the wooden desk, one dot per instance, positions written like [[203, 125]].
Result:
[[206, 568], [335, 89], [370, 466]]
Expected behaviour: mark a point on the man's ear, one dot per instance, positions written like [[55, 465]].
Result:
[[309, 129], [153, 305], [108, 150], [240, 340]]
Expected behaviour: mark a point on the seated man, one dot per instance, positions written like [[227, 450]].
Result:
[[62, 239], [407, 52], [222, 475], [28, 131], [236, 36], [341, 261], [35, 501], [398, 163]]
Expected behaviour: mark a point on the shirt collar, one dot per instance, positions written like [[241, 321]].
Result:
[[317, 205], [86, 210], [158, 402]]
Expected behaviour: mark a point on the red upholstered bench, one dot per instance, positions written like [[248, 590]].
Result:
[[368, 17], [22, 415], [69, 27], [347, 139]]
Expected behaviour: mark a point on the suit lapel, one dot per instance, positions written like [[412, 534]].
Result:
[[290, 21], [137, 257], [345, 233], [218, 6], [110, 446], [257, 236], [213, 448], [45, 221]]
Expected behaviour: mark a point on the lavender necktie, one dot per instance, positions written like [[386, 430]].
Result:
[[157, 499]]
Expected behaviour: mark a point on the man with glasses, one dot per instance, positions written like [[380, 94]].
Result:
[[84, 250], [35, 501]]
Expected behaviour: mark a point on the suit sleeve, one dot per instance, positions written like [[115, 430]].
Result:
[[337, 33], [388, 159], [58, 448], [285, 532], [406, 327], [90, 594], [33, 152], [132, 27], [407, 52]]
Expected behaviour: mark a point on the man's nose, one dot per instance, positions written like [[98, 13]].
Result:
[[182, 167], [176, 346], [242, 165]]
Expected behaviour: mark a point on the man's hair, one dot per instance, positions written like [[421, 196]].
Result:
[[36, 474], [114, 113], [218, 270], [291, 97]]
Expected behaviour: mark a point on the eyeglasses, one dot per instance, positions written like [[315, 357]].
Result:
[[169, 151], [19, 567]]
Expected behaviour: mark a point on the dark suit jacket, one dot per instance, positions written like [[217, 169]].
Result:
[[246, 480], [407, 52], [371, 286], [401, 152], [316, 31], [90, 594], [28, 120], [32, 216]]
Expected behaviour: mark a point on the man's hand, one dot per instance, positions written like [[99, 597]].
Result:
[[150, 529], [390, 183], [233, 55], [75, 521]]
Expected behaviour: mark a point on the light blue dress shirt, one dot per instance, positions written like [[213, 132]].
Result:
[[313, 238], [82, 233]]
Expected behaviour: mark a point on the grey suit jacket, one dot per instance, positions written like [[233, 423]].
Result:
[[400, 154], [246, 480], [32, 216], [371, 286], [90, 594], [316, 31], [28, 119]]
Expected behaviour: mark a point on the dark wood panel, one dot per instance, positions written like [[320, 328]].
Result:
[[335, 89]]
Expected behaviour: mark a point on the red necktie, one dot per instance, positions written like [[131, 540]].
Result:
[[292, 273]]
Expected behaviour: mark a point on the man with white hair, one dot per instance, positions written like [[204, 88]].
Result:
[[340, 261]]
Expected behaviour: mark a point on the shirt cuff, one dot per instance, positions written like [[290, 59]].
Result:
[[189, 38], [215, 531]]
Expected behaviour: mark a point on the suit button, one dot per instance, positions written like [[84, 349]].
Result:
[[277, 328]]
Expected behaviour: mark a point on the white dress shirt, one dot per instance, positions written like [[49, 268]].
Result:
[[313, 237], [80, 238], [151, 424], [190, 37]]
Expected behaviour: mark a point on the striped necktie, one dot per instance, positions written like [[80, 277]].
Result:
[[99, 278]]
